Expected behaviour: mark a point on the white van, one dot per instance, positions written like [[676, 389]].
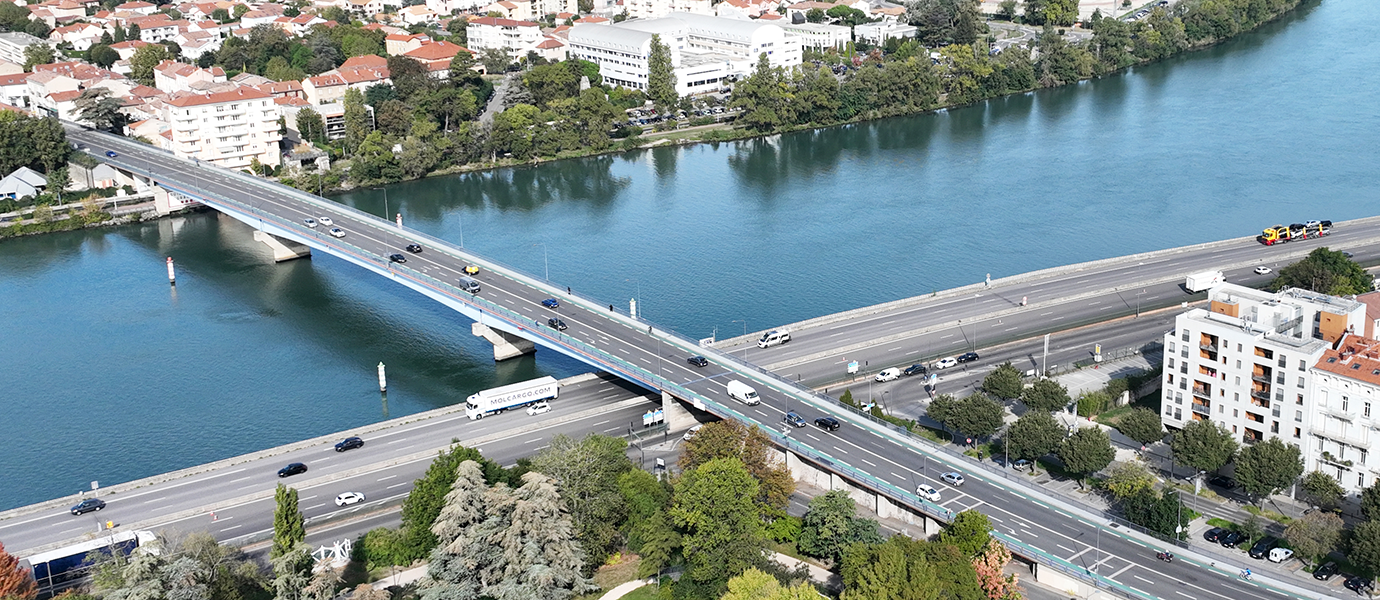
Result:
[[774, 337], [743, 392]]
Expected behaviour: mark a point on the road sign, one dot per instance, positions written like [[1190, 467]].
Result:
[[853, 368]]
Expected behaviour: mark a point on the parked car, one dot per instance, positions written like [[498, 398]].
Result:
[[337, 232], [1361, 585], [1279, 555], [915, 369], [698, 361], [1326, 571], [1215, 534], [309, 222], [398, 258], [927, 492], [690, 433], [967, 357], [349, 498], [945, 363], [292, 469], [556, 324], [952, 478], [1223, 482], [1263, 546], [1021, 465], [349, 443], [827, 423], [888, 375], [1262, 270], [325, 221], [539, 408], [414, 248], [794, 419], [88, 505], [551, 303], [1230, 539]]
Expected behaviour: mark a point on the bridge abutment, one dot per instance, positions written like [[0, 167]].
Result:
[[283, 250], [808, 473], [506, 345]]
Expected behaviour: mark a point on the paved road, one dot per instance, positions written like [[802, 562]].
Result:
[[890, 461]]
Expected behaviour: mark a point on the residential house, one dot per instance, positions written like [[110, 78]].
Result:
[[299, 25], [14, 89], [552, 48], [655, 9], [23, 182], [9, 68], [820, 35], [450, 7], [138, 7], [158, 27], [196, 43], [516, 37], [417, 15], [436, 56], [81, 36], [254, 18], [878, 33], [283, 89], [517, 10], [229, 129], [1344, 406], [745, 9], [359, 72], [366, 8], [127, 48], [398, 44], [171, 76]]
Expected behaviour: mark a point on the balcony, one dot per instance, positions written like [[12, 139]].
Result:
[[1203, 393], [1265, 379], [1202, 409], [1263, 395], [1208, 347], [1358, 438], [1333, 411], [1332, 460]]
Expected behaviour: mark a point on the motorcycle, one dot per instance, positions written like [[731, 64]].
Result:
[[1164, 556]]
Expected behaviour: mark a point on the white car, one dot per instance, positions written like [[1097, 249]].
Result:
[[539, 408], [888, 375], [310, 222], [325, 221], [952, 478], [945, 363], [927, 492], [1262, 270], [690, 435], [1280, 555], [337, 232], [349, 498]]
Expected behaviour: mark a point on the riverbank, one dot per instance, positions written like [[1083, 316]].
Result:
[[86, 214]]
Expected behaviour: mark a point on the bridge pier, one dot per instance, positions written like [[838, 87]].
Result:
[[283, 250], [506, 345], [677, 416], [807, 472]]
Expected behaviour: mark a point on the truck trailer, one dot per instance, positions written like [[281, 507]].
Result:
[[1198, 282], [517, 395]]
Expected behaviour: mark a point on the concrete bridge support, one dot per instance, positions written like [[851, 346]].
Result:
[[506, 345], [283, 250], [1069, 585], [677, 416], [807, 472]]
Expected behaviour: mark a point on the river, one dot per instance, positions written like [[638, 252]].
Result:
[[112, 375]]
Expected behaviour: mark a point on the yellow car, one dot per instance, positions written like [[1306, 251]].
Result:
[[471, 270]]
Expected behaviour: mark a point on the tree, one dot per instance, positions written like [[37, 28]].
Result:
[[761, 99], [1007, 10], [133, 33], [495, 60], [1046, 395], [1325, 271], [37, 54], [731, 439], [310, 125], [1033, 435], [990, 568], [457, 569], [356, 120], [145, 60], [291, 573], [1267, 467], [96, 106], [1203, 445], [1061, 12], [103, 56], [645, 498], [754, 584], [1314, 535], [945, 22], [220, 15], [1162, 513], [661, 76], [544, 561], [1127, 479], [239, 11], [970, 532], [1365, 546], [1142, 425], [814, 15], [410, 77], [289, 527], [897, 568], [15, 581], [1003, 382], [552, 82], [1251, 528], [278, 69], [587, 473], [1087, 451], [1370, 502], [1323, 489], [831, 523], [715, 507], [461, 64], [428, 496], [975, 415]]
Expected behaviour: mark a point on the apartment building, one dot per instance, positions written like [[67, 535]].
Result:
[[12, 45], [1345, 413], [229, 129], [517, 37], [655, 9], [820, 35]]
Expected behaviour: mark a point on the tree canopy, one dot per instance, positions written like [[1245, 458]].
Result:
[[975, 415], [1314, 535], [715, 506], [751, 446], [1142, 425], [1045, 395], [1003, 382], [1087, 451], [1204, 445], [1033, 435], [1267, 467], [831, 523], [1325, 271]]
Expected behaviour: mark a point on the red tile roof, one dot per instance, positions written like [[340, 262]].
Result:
[[242, 93], [496, 21]]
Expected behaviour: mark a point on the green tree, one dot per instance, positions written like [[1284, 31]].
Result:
[[1061, 12], [1142, 425], [37, 54], [460, 566], [1127, 479], [495, 60], [1252, 529], [661, 76], [15, 581], [975, 415], [1365, 547], [898, 568], [410, 77], [1087, 451], [145, 59], [587, 473], [461, 64], [1046, 395], [289, 527], [132, 32], [1203, 445], [552, 82], [751, 446], [758, 585], [814, 15], [723, 531], [428, 495], [1162, 513], [96, 106], [1007, 10], [239, 11], [1003, 382], [1314, 535], [543, 559], [356, 120], [1033, 435], [645, 497], [761, 99], [831, 523], [970, 532], [310, 125], [278, 69], [1325, 271], [1370, 502], [292, 573], [1267, 467], [103, 56], [220, 15], [1323, 489]]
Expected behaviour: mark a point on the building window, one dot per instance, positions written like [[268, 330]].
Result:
[[1297, 431], [1298, 416], [1299, 400], [1238, 364], [1171, 361], [1366, 409], [1238, 382], [1178, 414], [1234, 413], [1303, 366], [1360, 480], [1300, 383], [1345, 402]]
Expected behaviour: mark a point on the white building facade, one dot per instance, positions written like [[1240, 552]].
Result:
[[229, 129], [1345, 410], [517, 37]]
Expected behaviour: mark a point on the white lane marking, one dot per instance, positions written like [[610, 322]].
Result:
[[1066, 547], [1029, 532], [602, 422], [309, 497], [240, 479], [316, 506], [895, 349], [1056, 318], [155, 500], [1123, 570], [874, 465], [912, 352], [893, 474], [388, 477], [619, 428], [1046, 314], [532, 440], [946, 336], [397, 485], [1184, 595], [233, 527], [1144, 579], [1106, 308], [396, 441], [1011, 328]]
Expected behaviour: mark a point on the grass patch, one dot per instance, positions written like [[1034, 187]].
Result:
[[646, 592], [621, 568], [1269, 514], [1223, 523]]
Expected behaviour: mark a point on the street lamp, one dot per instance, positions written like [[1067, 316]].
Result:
[[544, 260], [886, 407], [1138, 294], [975, 319]]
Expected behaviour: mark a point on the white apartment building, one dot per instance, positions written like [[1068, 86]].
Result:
[[820, 35], [517, 37], [1246, 361], [228, 129], [12, 45], [655, 9], [1345, 414]]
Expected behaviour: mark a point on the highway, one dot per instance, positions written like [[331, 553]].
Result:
[[891, 462]]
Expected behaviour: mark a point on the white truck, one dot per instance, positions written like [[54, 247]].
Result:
[[774, 337], [743, 392], [499, 399], [1198, 282]]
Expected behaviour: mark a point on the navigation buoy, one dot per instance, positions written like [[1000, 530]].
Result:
[[383, 380], [172, 276]]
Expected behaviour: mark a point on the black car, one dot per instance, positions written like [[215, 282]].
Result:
[[1224, 482], [1360, 585], [1214, 534], [915, 369], [292, 469], [88, 505], [414, 248], [398, 258], [1263, 547], [556, 324], [1326, 571], [827, 423], [698, 361], [967, 357], [349, 443], [1230, 539]]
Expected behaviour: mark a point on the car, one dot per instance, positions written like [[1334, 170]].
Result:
[[349, 498], [1223, 482], [414, 248], [888, 375], [292, 469], [471, 270], [1263, 546], [398, 258], [794, 419], [945, 363], [1361, 585], [827, 423], [927, 492], [349, 443], [88, 505], [967, 357], [551, 303], [337, 232], [111, 153], [556, 324], [539, 408], [1022, 465], [1326, 571], [1215, 534], [1347, 254], [1230, 539], [690, 433], [952, 478], [309, 222], [1279, 555], [1262, 270], [698, 361], [915, 369], [325, 221]]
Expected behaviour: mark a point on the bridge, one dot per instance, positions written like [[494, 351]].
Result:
[[1064, 538]]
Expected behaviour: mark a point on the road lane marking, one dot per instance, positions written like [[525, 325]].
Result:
[[233, 527], [533, 440], [1144, 579], [946, 336], [1066, 547], [874, 465], [240, 479], [398, 485], [388, 477], [1184, 595], [316, 506], [396, 441]]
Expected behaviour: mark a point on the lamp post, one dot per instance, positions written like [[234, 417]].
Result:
[[885, 406], [1138, 294], [544, 260], [744, 322], [975, 320]]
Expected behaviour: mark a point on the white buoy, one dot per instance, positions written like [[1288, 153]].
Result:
[[632, 307], [399, 220], [383, 380], [172, 276]]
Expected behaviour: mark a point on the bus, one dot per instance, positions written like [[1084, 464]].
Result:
[[63, 568]]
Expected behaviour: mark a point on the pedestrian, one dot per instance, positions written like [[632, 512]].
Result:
[[567, 290], [610, 308]]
